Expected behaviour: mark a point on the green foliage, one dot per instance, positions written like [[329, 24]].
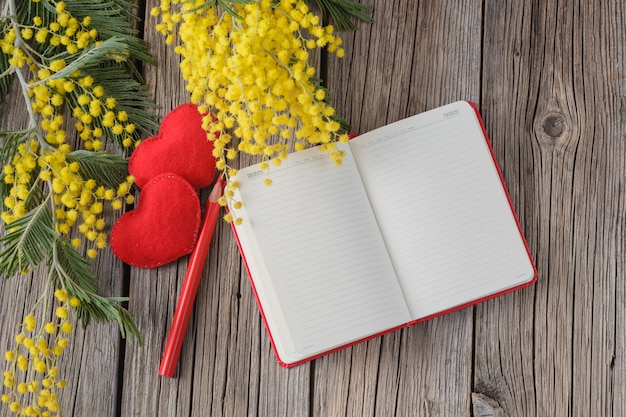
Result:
[[227, 5], [341, 12], [68, 269], [106, 169], [10, 140], [113, 20], [107, 50], [28, 242], [4, 80]]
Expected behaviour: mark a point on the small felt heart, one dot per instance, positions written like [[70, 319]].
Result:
[[162, 228], [181, 147]]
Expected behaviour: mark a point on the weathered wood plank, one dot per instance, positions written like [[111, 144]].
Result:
[[415, 56], [555, 106], [504, 368], [92, 363], [599, 192]]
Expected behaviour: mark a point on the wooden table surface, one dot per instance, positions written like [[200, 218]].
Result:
[[549, 77]]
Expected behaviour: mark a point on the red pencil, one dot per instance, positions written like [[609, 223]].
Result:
[[190, 285]]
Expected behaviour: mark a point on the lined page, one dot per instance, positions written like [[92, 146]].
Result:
[[327, 272], [442, 209]]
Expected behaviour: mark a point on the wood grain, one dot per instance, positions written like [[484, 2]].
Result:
[[550, 80], [560, 138]]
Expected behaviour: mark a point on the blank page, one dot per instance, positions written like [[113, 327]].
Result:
[[324, 277], [442, 209]]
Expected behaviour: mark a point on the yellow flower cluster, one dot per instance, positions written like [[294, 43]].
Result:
[[49, 91], [96, 115], [251, 70], [66, 31], [46, 157], [76, 201], [32, 379]]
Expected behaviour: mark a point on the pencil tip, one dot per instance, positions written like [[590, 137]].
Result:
[[216, 192]]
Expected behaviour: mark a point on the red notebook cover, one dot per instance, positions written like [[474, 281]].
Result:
[[422, 319]]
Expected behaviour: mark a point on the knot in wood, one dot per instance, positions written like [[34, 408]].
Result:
[[554, 126], [485, 406]]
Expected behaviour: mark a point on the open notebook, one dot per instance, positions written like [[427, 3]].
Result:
[[415, 223]]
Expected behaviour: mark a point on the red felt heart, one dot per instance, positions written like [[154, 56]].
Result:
[[162, 228], [180, 147]]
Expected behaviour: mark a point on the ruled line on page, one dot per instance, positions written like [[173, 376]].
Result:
[[442, 210], [315, 228]]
